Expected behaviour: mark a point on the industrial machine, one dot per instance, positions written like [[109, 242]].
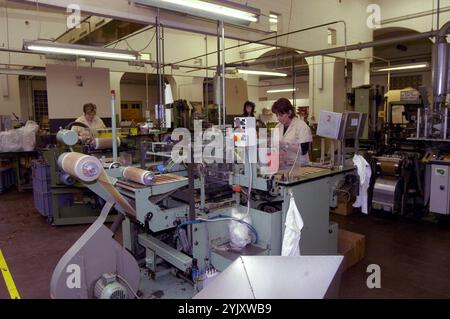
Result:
[[369, 100], [58, 196], [388, 187], [343, 130], [173, 227], [411, 166], [439, 186]]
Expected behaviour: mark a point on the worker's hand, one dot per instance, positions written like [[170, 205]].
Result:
[[85, 137], [284, 147]]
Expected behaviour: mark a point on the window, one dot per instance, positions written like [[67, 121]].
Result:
[[132, 111], [401, 82], [331, 36], [40, 105], [273, 22]]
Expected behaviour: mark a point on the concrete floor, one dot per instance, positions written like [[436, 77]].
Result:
[[414, 257]]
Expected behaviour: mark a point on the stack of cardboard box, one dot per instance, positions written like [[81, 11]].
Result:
[[351, 246], [344, 207]]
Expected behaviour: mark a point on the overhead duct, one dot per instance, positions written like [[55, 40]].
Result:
[[440, 68]]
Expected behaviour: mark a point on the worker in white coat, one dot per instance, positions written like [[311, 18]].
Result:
[[91, 120], [294, 134]]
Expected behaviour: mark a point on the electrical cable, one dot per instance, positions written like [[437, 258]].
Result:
[[217, 219], [129, 286], [295, 161], [148, 44], [250, 185], [39, 17]]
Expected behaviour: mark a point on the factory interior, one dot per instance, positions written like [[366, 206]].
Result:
[[224, 149]]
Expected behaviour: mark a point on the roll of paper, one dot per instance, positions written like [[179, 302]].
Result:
[[88, 169], [138, 175], [102, 143], [84, 167], [389, 166]]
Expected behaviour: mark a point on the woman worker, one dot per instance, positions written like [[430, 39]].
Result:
[[91, 120], [249, 109], [294, 134]]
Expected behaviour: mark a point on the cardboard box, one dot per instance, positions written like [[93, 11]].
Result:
[[351, 246], [344, 208]]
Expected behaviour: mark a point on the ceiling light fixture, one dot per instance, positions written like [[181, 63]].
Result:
[[49, 47], [281, 90], [223, 9], [273, 18], [403, 67], [261, 72], [28, 72]]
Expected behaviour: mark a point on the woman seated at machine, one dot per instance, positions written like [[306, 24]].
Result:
[[91, 121]]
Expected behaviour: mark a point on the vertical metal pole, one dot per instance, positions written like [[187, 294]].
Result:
[[445, 123], [218, 76], [113, 124], [322, 150], [163, 80], [418, 123], [207, 80], [293, 84], [224, 106], [191, 198], [437, 15], [158, 68], [389, 76]]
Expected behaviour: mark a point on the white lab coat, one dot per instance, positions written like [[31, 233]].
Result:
[[97, 123], [364, 172], [292, 232], [297, 133]]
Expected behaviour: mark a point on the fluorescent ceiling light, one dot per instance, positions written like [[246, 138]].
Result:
[[273, 18], [403, 67], [261, 72], [281, 90], [22, 72], [217, 9], [145, 56], [50, 47]]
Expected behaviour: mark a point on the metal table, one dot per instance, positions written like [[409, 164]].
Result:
[[276, 277]]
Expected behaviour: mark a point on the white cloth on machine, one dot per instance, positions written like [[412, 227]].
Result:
[[292, 232], [364, 173]]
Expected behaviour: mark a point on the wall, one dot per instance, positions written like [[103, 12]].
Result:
[[11, 103], [136, 92], [400, 13], [322, 84], [66, 98], [188, 88], [29, 25], [340, 87], [302, 85]]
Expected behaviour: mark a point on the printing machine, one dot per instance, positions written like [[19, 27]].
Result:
[[163, 233]]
